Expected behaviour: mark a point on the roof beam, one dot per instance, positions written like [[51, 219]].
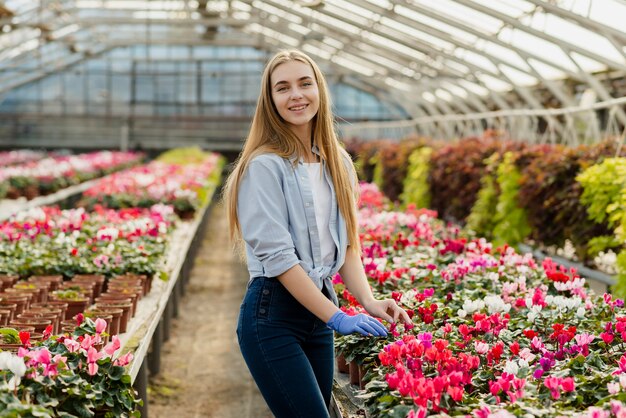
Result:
[[427, 50], [585, 22], [494, 39], [566, 46], [556, 90]]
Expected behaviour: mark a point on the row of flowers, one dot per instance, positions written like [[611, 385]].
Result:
[[53, 173], [104, 240], [494, 333], [19, 156], [181, 184], [47, 240]]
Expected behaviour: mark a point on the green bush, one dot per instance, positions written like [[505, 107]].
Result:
[[511, 223], [604, 195], [416, 188], [481, 218]]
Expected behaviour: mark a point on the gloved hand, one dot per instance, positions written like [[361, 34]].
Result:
[[361, 323]]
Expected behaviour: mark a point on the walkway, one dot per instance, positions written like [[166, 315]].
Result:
[[203, 374]]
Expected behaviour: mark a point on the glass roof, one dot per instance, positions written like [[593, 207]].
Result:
[[472, 50]]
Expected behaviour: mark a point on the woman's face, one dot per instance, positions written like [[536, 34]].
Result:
[[295, 93]]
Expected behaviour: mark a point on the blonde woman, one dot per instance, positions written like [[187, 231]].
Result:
[[291, 198]]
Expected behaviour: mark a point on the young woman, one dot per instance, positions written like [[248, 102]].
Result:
[[291, 198]]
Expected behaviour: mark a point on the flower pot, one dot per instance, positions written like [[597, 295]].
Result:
[[53, 305], [354, 372], [7, 281], [29, 295], [40, 324], [5, 316], [113, 326], [124, 306], [21, 301], [118, 298], [74, 306], [145, 281], [361, 375], [52, 317], [122, 287], [342, 365], [97, 279], [123, 294], [54, 281], [11, 348], [10, 307], [84, 288]]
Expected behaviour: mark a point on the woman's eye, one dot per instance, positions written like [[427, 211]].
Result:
[[282, 89], [307, 84]]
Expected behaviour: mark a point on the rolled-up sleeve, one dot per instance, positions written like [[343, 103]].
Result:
[[264, 219]]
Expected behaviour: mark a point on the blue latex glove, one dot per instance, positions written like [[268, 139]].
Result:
[[361, 323]]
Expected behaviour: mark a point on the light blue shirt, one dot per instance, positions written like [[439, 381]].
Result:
[[277, 218]]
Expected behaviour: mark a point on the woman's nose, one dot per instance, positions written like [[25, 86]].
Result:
[[295, 92]]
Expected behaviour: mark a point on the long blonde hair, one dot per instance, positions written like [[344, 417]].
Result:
[[270, 134]]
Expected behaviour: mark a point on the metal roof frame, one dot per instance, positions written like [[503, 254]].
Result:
[[402, 59]]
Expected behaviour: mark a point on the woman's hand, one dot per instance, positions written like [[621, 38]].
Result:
[[388, 310]]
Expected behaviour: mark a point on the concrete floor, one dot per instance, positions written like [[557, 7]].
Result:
[[202, 372]]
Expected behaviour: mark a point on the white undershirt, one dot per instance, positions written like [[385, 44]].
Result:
[[321, 203]]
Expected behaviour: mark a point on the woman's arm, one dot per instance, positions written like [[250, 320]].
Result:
[[301, 287], [353, 275]]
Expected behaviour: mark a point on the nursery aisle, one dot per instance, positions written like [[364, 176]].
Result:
[[202, 371]]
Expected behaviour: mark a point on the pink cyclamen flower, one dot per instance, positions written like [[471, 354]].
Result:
[[124, 360], [584, 339], [613, 387], [43, 356], [92, 357], [101, 325], [71, 345], [481, 347], [113, 346], [568, 384], [552, 383], [88, 342]]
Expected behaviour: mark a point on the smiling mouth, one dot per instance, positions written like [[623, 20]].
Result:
[[299, 107]]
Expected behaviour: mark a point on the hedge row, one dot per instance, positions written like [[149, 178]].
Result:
[[508, 191]]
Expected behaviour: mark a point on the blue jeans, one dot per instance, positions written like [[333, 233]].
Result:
[[288, 350]]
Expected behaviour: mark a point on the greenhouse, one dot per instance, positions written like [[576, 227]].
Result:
[[312, 208]]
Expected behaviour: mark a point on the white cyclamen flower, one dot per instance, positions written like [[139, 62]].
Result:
[[16, 365], [471, 306], [534, 312], [496, 304], [5, 356], [511, 367]]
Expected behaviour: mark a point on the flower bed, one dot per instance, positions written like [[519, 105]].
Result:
[[493, 331], [51, 174], [19, 156], [182, 184], [44, 241]]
